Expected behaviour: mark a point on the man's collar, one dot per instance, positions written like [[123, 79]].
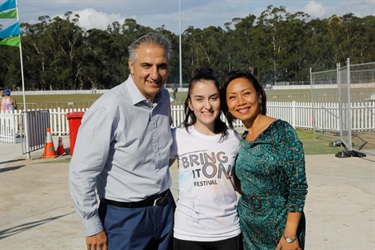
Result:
[[136, 96]]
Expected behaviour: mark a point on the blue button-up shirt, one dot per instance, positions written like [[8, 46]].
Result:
[[122, 150]]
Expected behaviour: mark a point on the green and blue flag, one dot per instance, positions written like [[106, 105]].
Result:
[[10, 36], [7, 5]]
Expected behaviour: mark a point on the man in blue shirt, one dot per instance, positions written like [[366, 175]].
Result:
[[121, 157]]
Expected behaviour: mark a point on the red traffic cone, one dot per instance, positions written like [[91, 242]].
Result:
[[60, 148], [49, 149]]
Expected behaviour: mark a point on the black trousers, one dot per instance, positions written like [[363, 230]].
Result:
[[234, 243]]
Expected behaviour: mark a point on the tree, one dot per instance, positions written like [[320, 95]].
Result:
[[276, 46]]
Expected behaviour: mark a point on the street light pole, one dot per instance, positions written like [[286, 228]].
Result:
[[179, 41]]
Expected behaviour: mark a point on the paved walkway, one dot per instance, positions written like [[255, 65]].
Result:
[[36, 210]]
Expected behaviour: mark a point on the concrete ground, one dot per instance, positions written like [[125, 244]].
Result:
[[36, 211]]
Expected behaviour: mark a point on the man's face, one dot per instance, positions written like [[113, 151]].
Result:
[[150, 70]]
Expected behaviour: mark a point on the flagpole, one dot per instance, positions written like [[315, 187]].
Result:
[[179, 37], [23, 80], [26, 142], [21, 62]]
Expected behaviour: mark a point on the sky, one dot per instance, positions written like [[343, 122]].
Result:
[[196, 13]]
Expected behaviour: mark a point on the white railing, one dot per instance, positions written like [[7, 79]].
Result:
[[322, 116], [9, 126]]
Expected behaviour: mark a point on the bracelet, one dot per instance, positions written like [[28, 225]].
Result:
[[289, 240]]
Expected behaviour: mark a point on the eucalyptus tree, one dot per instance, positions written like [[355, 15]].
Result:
[[367, 45], [271, 43], [10, 73], [189, 57], [67, 49], [95, 71], [201, 48], [196, 52], [116, 64], [37, 54], [240, 51], [231, 46], [355, 40], [336, 36], [9, 66], [212, 46], [276, 46], [13, 77], [318, 45], [294, 62], [353, 37]]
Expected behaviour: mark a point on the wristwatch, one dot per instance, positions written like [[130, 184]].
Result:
[[289, 240]]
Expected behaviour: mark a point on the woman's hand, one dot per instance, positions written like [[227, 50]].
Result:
[[284, 245]]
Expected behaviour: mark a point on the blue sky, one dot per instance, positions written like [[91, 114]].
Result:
[[196, 13]]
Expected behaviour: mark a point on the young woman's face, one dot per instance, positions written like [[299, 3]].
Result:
[[205, 103], [242, 100]]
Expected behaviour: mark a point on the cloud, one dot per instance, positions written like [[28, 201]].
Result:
[[361, 8], [196, 13], [314, 9], [90, 18]]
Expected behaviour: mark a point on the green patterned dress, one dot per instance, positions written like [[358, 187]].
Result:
[[271, 171]]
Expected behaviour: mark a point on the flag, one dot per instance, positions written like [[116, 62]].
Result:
[[11, 35], [7, 5], [11, 41], [12, 30], [9, 14]]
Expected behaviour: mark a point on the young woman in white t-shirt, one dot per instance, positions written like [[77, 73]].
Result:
[[206, 214]]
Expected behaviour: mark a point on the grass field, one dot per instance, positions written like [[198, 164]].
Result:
[[306, 95], [319, 145], [54, 101], [299, 95]]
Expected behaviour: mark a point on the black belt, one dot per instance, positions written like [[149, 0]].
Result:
[[153, 200]]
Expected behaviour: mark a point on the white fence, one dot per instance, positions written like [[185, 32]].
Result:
[[298, 114], [9, 126]]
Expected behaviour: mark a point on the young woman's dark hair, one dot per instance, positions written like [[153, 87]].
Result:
[[257, 86], [198, 75]]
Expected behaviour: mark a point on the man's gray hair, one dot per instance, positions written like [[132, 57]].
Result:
[[150, 38]]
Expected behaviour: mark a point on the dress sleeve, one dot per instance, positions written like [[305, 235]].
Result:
[[294, 166]]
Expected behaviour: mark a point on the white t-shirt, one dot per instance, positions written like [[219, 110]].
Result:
[[207, 202]]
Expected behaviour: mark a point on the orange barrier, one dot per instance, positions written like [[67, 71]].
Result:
[[49, 149], [60, 148]]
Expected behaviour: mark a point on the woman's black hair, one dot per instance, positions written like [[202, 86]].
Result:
[[257, 86], [198, 75]]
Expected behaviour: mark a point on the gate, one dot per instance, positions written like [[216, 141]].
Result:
[[34, 126]]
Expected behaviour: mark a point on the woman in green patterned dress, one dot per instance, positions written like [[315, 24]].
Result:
[[270, 168]]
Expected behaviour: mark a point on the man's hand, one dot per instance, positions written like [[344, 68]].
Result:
[[97, 241]]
